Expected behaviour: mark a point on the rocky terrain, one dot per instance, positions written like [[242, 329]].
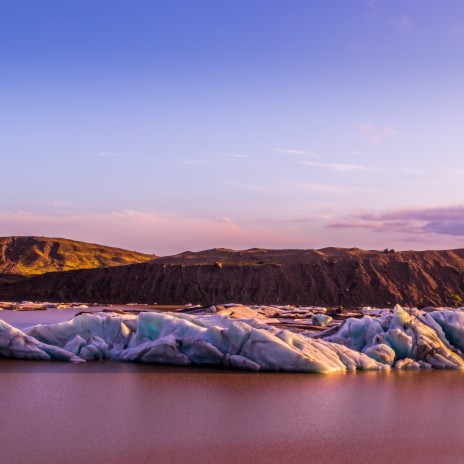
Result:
[[327, 277]]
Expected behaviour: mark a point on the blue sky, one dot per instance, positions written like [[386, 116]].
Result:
[[189, 124]]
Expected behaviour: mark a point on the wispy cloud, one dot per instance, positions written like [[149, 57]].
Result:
[[336, 166], [445, 220], [236, 155], [368, 132], [416, 171], [359, 168], [403, 23], [147, 231], [373, 134], [215, 160], [290, 151], [164, 233], [252, 187], [308, 187], [229, 156], [294, 187], [60, 203], [192, 161], [358, 153], [110, 154], [371, 8], [389, 130]]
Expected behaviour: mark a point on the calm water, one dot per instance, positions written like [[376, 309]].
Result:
[[24, 319], [107, 412]]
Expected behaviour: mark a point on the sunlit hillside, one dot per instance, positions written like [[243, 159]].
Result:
[[37, 255]]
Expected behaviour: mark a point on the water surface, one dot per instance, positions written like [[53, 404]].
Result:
[[23, 319], [111, 412]]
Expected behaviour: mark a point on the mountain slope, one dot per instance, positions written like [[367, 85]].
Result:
[[37, 255], [330, 277]]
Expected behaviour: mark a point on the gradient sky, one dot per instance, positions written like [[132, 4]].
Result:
[[170, 125]]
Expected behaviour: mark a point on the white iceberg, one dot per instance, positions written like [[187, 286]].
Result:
[[183, 339], [452, 324], [428, 339], [16, 344], [234, 337]]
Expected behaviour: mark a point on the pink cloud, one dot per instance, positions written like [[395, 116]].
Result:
[[373, 134], [403, 23], [446, 220], [336, 166], [166, 234], [365, 128], [149, 232], [389, 130]]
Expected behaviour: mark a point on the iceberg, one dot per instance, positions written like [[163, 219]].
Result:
[[16, 344], [433, 339], [183, 339], [239, 337]]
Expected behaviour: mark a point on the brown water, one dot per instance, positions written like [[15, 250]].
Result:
[[108, 412]]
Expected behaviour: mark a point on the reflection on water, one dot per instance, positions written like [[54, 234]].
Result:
[[119, 413]]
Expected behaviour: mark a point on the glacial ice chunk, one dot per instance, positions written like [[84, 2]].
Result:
[[231, 337], [411, 335], [184, 339], [16, 344], [452, 324], [382, 353]]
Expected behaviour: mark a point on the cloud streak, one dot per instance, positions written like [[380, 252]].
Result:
[[370, 133], [110, 154], [336, 166], [290, 151], [146, 231], [164, 234], [446, 220], [237, 155], [403, 23], [216, 160], [294, 187]]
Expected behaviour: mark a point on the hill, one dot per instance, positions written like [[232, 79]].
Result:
[[329, 277], [26, 256]]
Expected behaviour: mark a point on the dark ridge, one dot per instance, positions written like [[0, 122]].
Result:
[[329, 277]]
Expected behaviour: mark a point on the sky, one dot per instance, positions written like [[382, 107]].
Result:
[[172, 125]]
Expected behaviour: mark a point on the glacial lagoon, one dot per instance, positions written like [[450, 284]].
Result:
[[118, 412], [113, 412]]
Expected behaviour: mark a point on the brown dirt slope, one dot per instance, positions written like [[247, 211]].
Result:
[[37, 255], [330, 276]]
